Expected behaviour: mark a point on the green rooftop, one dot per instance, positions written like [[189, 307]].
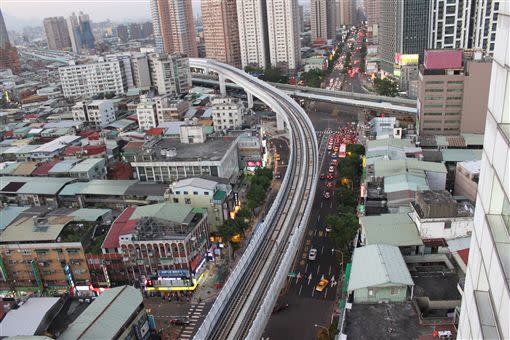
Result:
[[393, 229], [219, 195]]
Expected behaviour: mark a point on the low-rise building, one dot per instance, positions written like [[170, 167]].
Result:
[[316, 63], [118, 313], [34, 191], [170, 108], [44, 253], [167, 243], [379, 274], [54, 148], [89, 169], [98, 113], [202, 193], [167, 159], [466, 179], [227, 113], [438, 216]]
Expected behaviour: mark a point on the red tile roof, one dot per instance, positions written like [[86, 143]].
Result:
[[155, 131], [43, 168], [442, 59], [464, 254], [89, 150], [8, 134], [121, 226], [94, 136], [456, 141]]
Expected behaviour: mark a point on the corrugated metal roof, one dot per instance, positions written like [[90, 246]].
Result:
[[405, 182], [166, 211], [472, 167], [63, 166], [384, 167], [86, 165], [441, 141], [461, 155], [88, 214], [48, 186], [106, 315], [73, 189], [395, 142], [195, 182], [107, 187], [473, 138], [26, 319], [25, 169], [9, 214], [376, 265], [394, 229], [25, 229]]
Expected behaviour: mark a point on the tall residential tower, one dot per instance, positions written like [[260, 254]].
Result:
[[221, 34], [9, 58], [253, 39], [57, 33]]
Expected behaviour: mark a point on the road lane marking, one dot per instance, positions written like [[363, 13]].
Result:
[[331, 205], [329, 270], [321, 203], [322, 250], [318, 267], [326, 293], [300, 290], [313, 291], [306, 268]]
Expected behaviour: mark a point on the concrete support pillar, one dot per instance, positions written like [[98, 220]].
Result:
[[223, 87], [250, 99]]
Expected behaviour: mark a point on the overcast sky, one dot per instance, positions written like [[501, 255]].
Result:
[[18, 13]]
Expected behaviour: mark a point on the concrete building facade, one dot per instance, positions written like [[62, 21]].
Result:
[[170, 74], [283, 33], [485, 307], [57, 33], [318, 19], [170, 108], [221, 31], [227, 113], [453, 88], [146, 113], [91, 79], [253, 39], [98, 113], [176, 25]]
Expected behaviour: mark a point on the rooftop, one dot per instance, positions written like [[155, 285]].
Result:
[[376, 265], [32, 185], [460, 155], [385, 168], [9, 214], [384, 321], [32, 229], [212, 150], [195, 182], [56, 144], [107, 187], [392, 229], [440, 204], [473, 167], [405, 182], [28, 317], [106, 315], [86, 165]]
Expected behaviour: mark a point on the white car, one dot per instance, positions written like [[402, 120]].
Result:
[[312, 255], [328, 229]]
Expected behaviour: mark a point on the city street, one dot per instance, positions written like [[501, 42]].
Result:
[[307, 306]]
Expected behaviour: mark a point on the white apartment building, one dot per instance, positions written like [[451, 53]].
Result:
[[227, 113], [283, 33], [146, 113], [485, 311], [170, 74], [98, 113], [93, 78], [463, 24], [170, 108], [251, 15]]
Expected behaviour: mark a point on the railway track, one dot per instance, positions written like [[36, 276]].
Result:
[[236, 317]]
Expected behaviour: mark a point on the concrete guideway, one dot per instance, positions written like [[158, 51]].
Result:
[[244, 305]]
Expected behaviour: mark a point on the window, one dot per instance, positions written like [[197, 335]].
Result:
[[195, 193], [448, 225], [370, 292], [176, 200], [187, 201], [185, 192], [206, 193], [453, 98], [394, 291]]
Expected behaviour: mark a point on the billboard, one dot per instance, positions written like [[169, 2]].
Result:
[[406, 59]]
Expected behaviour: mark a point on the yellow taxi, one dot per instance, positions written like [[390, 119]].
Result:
[[321, 285]]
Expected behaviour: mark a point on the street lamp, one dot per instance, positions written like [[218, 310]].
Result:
[[319, 326]]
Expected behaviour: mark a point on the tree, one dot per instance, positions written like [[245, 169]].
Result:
[[313, 78], [345, 197], [386, 87], [255, 196], [244, 214], [343, 228], [274, 75]]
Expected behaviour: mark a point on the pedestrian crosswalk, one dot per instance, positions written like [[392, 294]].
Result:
[[195, 313]]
